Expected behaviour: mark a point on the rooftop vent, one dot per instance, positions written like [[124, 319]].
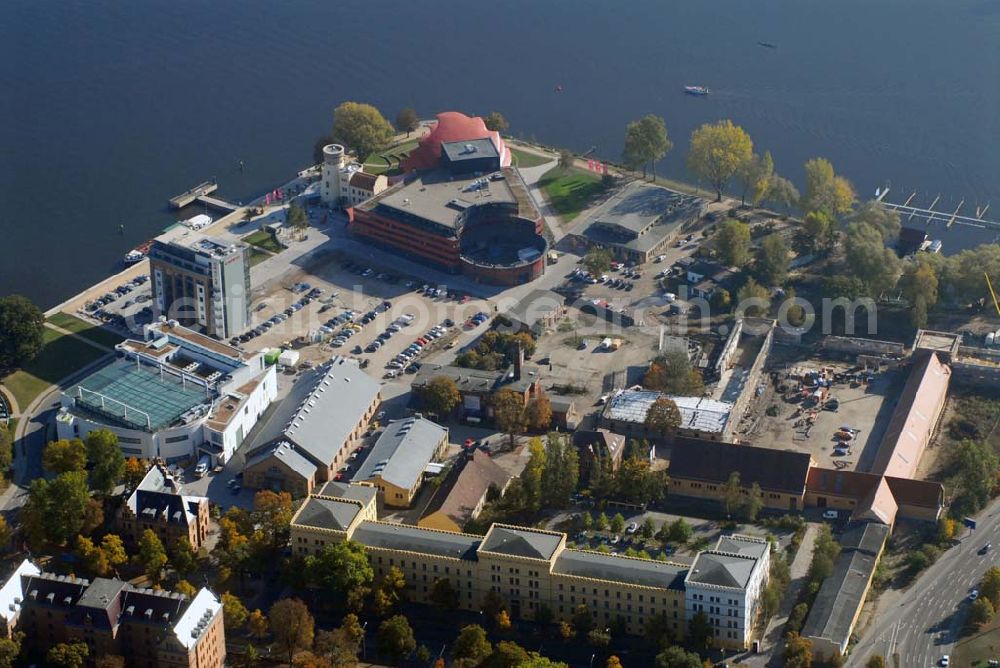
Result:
[[148, 614]]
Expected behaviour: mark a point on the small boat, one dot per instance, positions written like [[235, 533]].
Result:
[[695, 90], [137, 254], [767, 45], [559, 88]]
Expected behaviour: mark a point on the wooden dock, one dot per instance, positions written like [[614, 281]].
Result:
[[929, 214], [216, 203], [200, 190]]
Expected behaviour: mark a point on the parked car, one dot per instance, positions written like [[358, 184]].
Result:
[[830, 514]]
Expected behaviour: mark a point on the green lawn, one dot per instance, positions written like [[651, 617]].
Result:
[[264, 239], [388, 161], [60, 356], [525, 159], [977, 650], [257, 256], [76, 325], [570, 191]]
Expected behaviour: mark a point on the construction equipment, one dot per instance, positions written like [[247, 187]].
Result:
[[992, 293]]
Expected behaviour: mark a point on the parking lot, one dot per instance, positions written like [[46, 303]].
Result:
[[125, 307]]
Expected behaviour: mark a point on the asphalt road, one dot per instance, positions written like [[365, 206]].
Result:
[[925, 624]]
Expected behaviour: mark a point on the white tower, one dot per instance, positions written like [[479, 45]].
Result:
[[333, 172]]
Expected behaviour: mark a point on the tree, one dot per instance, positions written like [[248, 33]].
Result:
[[496, 122], [361, 128], [601, 522], [472, 646], [340, 567], [21, 328], [732, 493], [613, 662], [753, 299], [679, 531], [56, 509], [390, 591], [772, 260], [617, 523], [672, 373], [663, 417], [395, 638], [875, 661], [538, 414], [94, 560], [798, 651], [566, 159], [440, 396], [975, 466], [883, 219], [599, 638], [782, 192], [444, 595], [981, 612], [67, 655], [291, 625], [919, 283], [732, 241], [502, 620], [107, 463], [508, 412], [648, 529], [152, 556], [6, 449], [797, 617], [597, 260], [755, 177], [646, 141], [272, 514], [234, 613], [508, 654], [825, 191], [10, 649], [134, 472], [186, 588], [407, 120], [700, 631], [109, 661], [560, 473], [989, 587], [183, 557], [5, 535], [296, 217], [752, 504], [257, 624], [818, 232], [718, 151], [581, 620], [677, 657], [566, 631], [64, 456]]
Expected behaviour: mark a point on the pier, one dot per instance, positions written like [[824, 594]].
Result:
[[930, 215], [216, 203], [200, 190]]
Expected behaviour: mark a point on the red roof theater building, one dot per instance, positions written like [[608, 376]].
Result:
[[466, 211]]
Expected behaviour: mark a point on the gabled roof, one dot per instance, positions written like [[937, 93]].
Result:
[[461, 494], [619, 569], [402, 452], [323, 513], [521, 542], [390, 536], [721, 569], [711, 461], [922, 493], [158, 498], [364, 494], [284, 452], [13, 589], [364, 180], [878, 505], [197, 618]]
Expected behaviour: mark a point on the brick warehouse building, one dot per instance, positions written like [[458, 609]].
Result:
[[469, 213]]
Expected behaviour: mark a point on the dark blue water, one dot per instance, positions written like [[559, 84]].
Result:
[[109, 108]]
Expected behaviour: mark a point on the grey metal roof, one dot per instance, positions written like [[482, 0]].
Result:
[[415, 539], [321, 410], [470, 149], [442, 198], [721, 569], [741, 545], [637, 206], [401, 453], [613, 568], [342, 490], [534, 306], [327, 513], [698, 413], [521, 542], [285, 452]]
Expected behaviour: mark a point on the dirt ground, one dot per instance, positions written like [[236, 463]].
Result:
[[867, 409]]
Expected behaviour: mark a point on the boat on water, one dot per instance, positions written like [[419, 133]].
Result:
[[696, 90], [768, 45], [138, 253]]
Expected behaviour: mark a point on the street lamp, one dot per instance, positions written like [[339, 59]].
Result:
[[592, 659], [364, 645]]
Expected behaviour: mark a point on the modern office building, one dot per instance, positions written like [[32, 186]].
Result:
[[176, 394], [201, 282], [147, 627]]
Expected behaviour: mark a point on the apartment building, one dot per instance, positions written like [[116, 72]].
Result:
[[157, 504]]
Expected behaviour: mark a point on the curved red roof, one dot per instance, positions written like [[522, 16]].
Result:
[[452, 126]]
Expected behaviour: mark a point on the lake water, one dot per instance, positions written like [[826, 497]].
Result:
[[109, 108]]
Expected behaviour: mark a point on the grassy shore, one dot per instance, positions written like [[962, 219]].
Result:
[[264, 240], [525, 159], [98, 335], [570, 191], [60, 356], [388, 161]]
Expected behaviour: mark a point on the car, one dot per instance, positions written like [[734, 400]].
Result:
[[357, 350], [670, 297], [660, 258], [232, 482], [632, 528], [830, 514], [985, 548], [448, 322], [945, 660], [615, 539], [354, 455], [392, 373], [582, 345], [974, 594], [236, 489], [840, 452], [367, 272]]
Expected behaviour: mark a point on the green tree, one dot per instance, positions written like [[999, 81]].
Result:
[[292, 626], [508, 412], [648, 529], [825, 191], [93, 559], [107, 463], [772, 260], [798, 651], [296, 217], [753, 299], [646, 141], [6, 451], [496, 122], [732, 493], [679, 531], [340, 567], [919, 284], [883, 219], [677, 657], [64, 456], [361, 128], [875, 661], [782, 192], [395, 639], [981, 612], [407, 120], [797, 617], [732, 241], [663, 417], [581, 620], [975, 465], [599, 638], [617, 523], [185, 588], [561, 473], [234, 613], [472, 646], [390, 591], [566, 159], [21, 327], [152, 556], [700, 631], [440, 396], [272, 515], [672, 373], [718, 151], [533, 473], [257, 624], [818, 232], [10, 649], [444, 595], [601, 522], [68, 655], [597, 260], [755, 177], [989, 587], [56, 509], [183, 557], [752, 504]]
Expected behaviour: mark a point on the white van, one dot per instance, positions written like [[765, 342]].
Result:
[[202, 468]]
